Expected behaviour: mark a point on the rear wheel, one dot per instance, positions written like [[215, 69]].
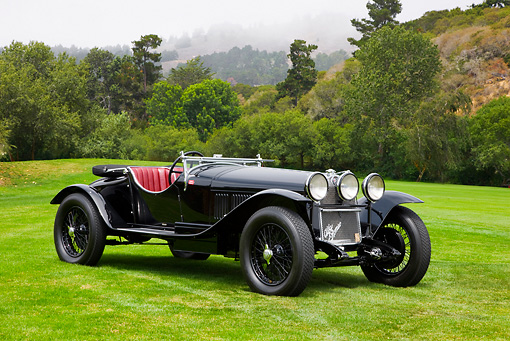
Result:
[[79, 231], [406, 232], [276, 252]]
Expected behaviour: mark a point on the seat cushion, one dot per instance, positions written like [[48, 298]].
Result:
[[154, 179]]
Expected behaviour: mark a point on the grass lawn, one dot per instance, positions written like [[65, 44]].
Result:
[[142, 292]]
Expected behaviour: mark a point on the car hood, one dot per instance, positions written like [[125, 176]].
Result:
[[258, 178]]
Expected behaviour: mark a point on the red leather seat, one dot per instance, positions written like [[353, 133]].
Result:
[[154, 179]]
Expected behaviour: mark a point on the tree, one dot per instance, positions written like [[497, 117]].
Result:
[[437, 136], [302, 76], [209, 105], [287, 137], [398, 70], [163, 143], [249, 66], [145, 59], [165, 106], [101, 79], [382, 13], [331, 133], [324, 62], [128, 85], [42, 99], [5, 148], [490, 131], [193, 72], [106, 141], [492, 3]]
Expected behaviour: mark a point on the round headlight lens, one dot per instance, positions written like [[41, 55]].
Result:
[[348, 186], [373, 187], [317, 186]]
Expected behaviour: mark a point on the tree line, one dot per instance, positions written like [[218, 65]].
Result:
[[386, 111]]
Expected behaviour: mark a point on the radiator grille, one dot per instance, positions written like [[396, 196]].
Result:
[[226, 202], [340, 226]]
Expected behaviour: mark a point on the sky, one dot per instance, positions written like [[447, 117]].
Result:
[[98, 23]]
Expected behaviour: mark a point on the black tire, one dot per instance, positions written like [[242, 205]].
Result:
[[276, 252], [406, 232], [79, 231], [189, 254]]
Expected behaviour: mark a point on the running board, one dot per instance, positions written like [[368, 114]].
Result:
[[178, 231]]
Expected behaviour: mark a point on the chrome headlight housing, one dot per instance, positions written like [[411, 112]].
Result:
[[316, 186], [347, 186], [373, 187]]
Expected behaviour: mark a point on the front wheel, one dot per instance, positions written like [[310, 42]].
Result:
[[79, 232], [406, 232], [276, 252]]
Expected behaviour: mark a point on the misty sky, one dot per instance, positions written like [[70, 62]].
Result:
[[90, 23]]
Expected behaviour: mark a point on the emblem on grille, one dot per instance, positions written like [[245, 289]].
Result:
[[330, 231]]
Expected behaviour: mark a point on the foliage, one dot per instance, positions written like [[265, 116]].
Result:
[[5, 147], [332, 145], [492, 3], [382, 13], [101, 79], [146, 60], [107, 140], [327, 98], [165, 106], [164, 143], [437, 137], [291, 138], [244, 90], [324, 62], [490, 131], [206, 106], [129, 86], [302, 76], [261, 101], [209, 105], [193, 72], [398, 70], [167, 56], [42, 98], [438, 22], [248, 66]]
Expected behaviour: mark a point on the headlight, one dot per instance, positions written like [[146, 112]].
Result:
[[347, 186], [316, 186], [373, 187]]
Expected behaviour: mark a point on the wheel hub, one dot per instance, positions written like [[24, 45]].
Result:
[[267, 254]]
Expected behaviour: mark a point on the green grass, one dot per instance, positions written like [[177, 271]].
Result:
[[142, 292]]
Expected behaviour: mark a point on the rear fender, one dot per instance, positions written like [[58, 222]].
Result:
[[86, 190], [383, 207]]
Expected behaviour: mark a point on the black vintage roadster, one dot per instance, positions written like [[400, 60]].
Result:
[[280, 224]]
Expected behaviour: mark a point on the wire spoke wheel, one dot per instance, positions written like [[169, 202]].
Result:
[[404, 231], [271, 254], [396, 236], [75, 232], [276, 252], [79, 231]]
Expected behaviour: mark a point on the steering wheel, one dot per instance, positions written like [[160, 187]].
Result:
[[192, 153]]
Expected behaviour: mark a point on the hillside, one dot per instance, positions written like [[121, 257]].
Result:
[[475, 50]]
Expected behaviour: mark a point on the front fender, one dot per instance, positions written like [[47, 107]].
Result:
[[89, 192], [383, 207], [231, 225]]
